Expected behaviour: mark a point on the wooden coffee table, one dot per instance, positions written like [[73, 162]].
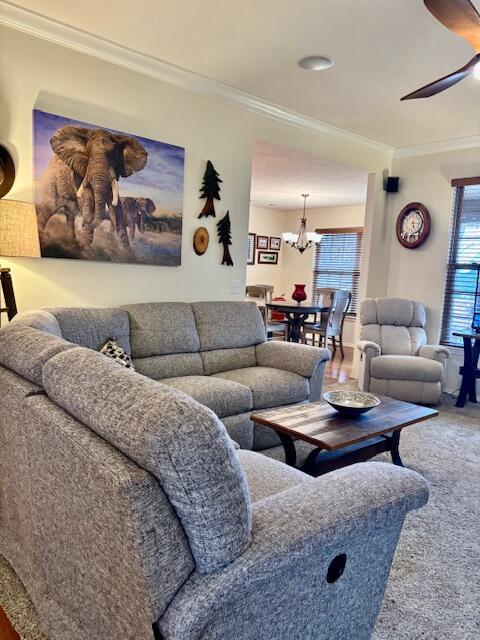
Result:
[[341, 441]]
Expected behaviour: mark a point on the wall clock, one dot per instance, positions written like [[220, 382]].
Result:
[[413, 225]]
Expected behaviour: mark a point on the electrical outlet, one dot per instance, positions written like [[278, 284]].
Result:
[[235, 287]]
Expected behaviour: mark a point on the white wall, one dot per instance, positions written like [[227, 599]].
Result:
[[293, 266], [38, 73], [299, 268], [267, 222], [420, 273]]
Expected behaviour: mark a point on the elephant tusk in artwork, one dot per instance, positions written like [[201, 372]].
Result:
[[115, 192], [81, 188]]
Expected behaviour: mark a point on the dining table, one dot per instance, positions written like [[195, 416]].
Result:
[[296, 314]]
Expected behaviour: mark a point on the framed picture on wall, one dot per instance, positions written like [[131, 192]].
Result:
[[120, 195], [267, 257], [262, 242], [251, 248], [275, 243]]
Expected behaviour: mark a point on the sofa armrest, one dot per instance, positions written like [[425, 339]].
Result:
[[434, 352], [372, 349], [368, 350], [290, 356], [357, 511]]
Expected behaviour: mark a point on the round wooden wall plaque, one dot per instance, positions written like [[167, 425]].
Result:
[[200, 241]]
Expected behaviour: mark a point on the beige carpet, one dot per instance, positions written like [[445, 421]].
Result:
[[433, 592]]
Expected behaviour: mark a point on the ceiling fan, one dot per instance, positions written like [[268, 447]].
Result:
[[461, 17]]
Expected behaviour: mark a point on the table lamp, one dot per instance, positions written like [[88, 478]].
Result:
[[18, 238]]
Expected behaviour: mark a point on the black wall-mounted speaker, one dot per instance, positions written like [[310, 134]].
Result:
[[391, 186]]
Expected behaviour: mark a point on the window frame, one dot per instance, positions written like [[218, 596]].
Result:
[[447, 330], [356, 273]]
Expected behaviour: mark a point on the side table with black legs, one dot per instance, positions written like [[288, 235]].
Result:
[[469, 371]]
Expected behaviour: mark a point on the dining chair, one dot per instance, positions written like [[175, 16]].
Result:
[[331, 322], [262, 295], [323, 296]]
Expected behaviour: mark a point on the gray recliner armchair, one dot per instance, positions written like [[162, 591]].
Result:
[[395, 359]]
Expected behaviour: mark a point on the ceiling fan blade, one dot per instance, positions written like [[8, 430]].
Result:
[[444, 83], [460, 16]]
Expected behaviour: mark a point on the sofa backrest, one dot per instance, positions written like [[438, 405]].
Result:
[[395, 324], [181, 442], [171, 339], [25, 350], [92, 327], [228, 333], [93, 531], [164, 339]]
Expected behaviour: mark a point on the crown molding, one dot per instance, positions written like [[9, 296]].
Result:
[[66, 36], [456, 144]]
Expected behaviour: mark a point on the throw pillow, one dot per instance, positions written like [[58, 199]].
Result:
[[113, 350]]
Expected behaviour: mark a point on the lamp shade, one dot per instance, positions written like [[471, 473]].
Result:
[[18, 229]]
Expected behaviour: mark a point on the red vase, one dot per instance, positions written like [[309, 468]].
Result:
[[299, 294]]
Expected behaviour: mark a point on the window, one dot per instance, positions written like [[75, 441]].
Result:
[[464, 252], [337, 261]]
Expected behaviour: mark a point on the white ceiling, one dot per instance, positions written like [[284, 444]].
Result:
[[382, 49], [280, 175]]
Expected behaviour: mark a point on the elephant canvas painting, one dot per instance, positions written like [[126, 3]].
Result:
[[105, 195]]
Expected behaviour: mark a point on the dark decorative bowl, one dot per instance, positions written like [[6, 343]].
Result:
[[351, 403]]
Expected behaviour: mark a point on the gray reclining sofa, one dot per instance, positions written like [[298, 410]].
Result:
[[128, 512], [215, 352]]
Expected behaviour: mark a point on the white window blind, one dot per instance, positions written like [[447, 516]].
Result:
[[464, 252], [337, 261]]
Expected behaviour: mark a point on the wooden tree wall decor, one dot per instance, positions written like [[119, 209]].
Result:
[[225, 238], [210, 190]]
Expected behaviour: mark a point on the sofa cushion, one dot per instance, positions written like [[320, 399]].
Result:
[[181, 442], [266, 476], [25, 350], [264, 437], [270, 387], [298, 358], [161, 328], [224, 397], [240, 429], [402, 341], [408, 390], [399, 312], [171, 366], [395, 340], [39, 319], [413, 368], [228, 325], [225, 359], [93, 327]]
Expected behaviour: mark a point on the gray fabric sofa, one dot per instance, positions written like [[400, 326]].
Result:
[[395, 359], [127, 511], [215, 352]]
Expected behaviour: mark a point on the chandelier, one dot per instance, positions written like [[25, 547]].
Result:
[[303, 239]]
